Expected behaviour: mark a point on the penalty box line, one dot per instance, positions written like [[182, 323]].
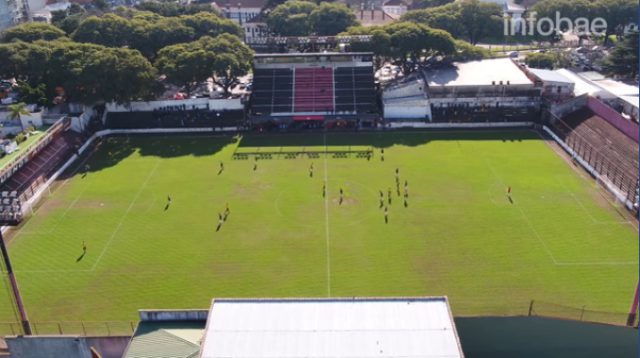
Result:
[[126, 213]]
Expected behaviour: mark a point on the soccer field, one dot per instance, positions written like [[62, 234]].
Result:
[[560, 240]]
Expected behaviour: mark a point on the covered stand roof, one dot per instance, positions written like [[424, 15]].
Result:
[[402, 327]]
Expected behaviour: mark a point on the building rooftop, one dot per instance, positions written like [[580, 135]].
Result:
[[582, 86], [402, 327], [550, 76], [166, 339], [478, 73]]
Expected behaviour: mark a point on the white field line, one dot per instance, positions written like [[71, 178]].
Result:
[[28, 222], [544, 245], [522, 213], [326, 218], [126, 213], [595, 221]]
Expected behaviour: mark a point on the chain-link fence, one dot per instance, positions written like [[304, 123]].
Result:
[[619, 173], [552, 310], [80, 328]]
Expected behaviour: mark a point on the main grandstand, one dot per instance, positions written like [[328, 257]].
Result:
[[313, 88]]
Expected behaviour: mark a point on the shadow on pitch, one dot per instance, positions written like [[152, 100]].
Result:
[[381, 139], [112, 150]]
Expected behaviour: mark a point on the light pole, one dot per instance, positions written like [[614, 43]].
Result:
[[26, 327]]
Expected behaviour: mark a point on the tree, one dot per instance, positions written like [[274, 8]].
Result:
[[540, 60], [468, 52], [406, 43], [149, 32], [329, 19], [17, 110], [480, 20], [616, 13], [623, 60], [225, 58], [423, 4], [210, 24], [291, 18], [169, 8], [185, 65], [109, 30], [31, 94], [32, 31]]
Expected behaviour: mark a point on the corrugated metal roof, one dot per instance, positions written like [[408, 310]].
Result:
[[409, 327], [549, 76], [166, 340]]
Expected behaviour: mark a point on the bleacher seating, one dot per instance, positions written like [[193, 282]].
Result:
[[610, 151], [178, 118], [42, 165], [272, 91], [313, 90], [355, 89]]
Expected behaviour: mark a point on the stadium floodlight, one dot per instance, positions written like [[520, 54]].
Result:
[[26, 327]]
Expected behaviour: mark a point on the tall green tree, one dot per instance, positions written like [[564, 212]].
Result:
[[466, 19], [224, 58], [291, 18], [32, 31], [329, 19], [406, 43], [623, 60]]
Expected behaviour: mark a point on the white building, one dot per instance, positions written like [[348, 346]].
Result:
[[339, 328], [619, 95], [240, 11], [396, 8], [406, 100], [494, 89], [554, 85], [10, 13]]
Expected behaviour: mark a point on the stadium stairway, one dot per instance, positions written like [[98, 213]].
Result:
[[40, 167], [313, 90]]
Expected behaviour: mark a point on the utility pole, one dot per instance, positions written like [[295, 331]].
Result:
[[26, 327]]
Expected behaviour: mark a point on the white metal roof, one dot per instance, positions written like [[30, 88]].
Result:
[[478, 73], [549, 76], [582, 85], [314, 328]]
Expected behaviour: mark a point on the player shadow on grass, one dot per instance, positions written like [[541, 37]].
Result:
[[81, 257]]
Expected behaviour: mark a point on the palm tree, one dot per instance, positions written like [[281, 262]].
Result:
[[17, 110]]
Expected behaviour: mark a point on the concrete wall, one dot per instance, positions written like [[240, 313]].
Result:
[[173, 315], [201, 103], [66, 346], [408, 110]]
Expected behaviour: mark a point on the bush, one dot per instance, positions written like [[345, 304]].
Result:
[[21, 137]]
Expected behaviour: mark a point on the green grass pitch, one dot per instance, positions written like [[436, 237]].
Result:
[[560, 240]]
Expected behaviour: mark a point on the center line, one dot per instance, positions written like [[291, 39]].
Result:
[[326, 218]]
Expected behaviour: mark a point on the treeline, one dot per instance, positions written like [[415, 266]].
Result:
[[121, 56], [408, 43]]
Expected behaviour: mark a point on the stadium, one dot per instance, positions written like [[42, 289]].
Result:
[[463, 181]]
